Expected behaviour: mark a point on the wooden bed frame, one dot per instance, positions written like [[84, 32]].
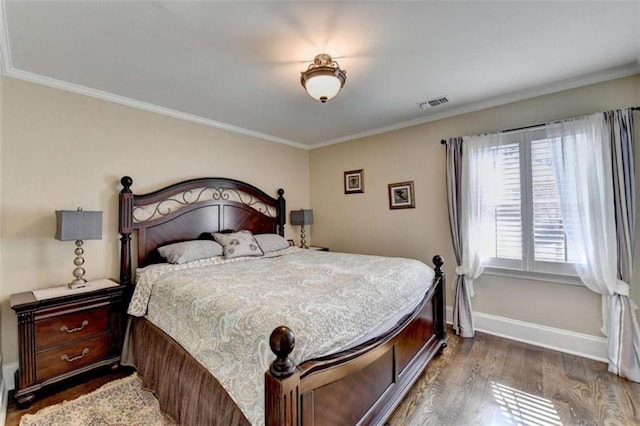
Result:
[[362, 385]]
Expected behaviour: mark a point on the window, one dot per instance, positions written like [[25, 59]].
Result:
[[528, 229]]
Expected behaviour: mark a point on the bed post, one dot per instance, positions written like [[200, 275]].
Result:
[[441, 305], [282, 381], [282, 212], [125, 227]]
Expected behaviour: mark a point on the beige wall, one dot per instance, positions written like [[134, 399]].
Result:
[[363, 222], [61, 150]]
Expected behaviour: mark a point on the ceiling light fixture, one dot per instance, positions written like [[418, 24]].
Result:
[[324, 78]]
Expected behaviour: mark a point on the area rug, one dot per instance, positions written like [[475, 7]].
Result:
[[118, 403]]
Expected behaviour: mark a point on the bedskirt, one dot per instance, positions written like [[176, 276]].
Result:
[[187, 391]]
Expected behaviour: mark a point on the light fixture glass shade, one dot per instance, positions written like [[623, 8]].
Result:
[[324, 78], [323, 87]]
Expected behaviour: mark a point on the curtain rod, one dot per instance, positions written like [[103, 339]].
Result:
[[444, 141]]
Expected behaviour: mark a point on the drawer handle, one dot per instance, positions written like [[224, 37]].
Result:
[[65, 357], [73, 330]]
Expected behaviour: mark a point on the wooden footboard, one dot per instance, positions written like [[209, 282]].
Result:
[[362, 385]]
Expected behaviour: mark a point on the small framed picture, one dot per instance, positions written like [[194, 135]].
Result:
[[291, 243], [354, 182], [401, 195]]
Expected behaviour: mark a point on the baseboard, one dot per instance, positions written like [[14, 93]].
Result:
[[584, 345], [8, 376]]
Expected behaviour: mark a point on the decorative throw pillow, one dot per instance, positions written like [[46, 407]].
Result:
[[271, 242], [238, 244], [189, 251]]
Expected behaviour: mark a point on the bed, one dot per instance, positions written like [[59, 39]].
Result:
[[360, 383]]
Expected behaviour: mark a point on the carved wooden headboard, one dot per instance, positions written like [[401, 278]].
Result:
[[187, 210]]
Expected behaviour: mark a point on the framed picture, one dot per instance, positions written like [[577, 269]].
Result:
[[354, 182], [291, 243], [401, 195]]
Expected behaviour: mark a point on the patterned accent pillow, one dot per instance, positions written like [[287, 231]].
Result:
[[271, 242], [238, 244], [189, 251]]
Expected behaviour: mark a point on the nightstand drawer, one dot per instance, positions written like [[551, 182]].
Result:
[[65, 335], [71, 327], [68, 358]]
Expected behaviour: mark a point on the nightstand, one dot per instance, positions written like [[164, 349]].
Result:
[[68, 334], [319, 248]]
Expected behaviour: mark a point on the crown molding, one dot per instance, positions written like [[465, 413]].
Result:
[[584, 80], [559, 86], [133, 103], [9, 71], [555, 87]]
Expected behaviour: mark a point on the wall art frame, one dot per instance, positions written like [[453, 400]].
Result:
[[401, 195], [354, 182]]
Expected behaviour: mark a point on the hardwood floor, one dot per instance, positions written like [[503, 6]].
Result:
[[489, 380], [484, 381]]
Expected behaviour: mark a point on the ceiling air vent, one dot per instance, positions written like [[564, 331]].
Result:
[[433, 102]]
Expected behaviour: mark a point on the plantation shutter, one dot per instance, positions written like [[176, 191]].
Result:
[[549, 239], [508, 217]]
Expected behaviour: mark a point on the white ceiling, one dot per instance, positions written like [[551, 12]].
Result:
[[237, 64]]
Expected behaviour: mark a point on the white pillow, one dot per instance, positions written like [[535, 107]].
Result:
[[189, 251], [271, 242], [238, 244]]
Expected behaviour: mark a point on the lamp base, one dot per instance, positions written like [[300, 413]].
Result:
[[77, 283], [79, 272], [303, 241]]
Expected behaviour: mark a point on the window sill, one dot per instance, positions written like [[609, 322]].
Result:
[[536, 276]]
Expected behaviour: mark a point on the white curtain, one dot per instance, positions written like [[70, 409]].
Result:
[[479, 181], [585, 183]]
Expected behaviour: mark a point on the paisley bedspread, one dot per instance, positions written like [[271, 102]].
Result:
[[223, 312]]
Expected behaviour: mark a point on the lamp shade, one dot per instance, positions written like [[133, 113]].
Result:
[[302, 217], [78, 225]]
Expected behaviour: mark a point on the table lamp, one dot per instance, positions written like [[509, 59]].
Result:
[[78, 225], [302, 218]]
